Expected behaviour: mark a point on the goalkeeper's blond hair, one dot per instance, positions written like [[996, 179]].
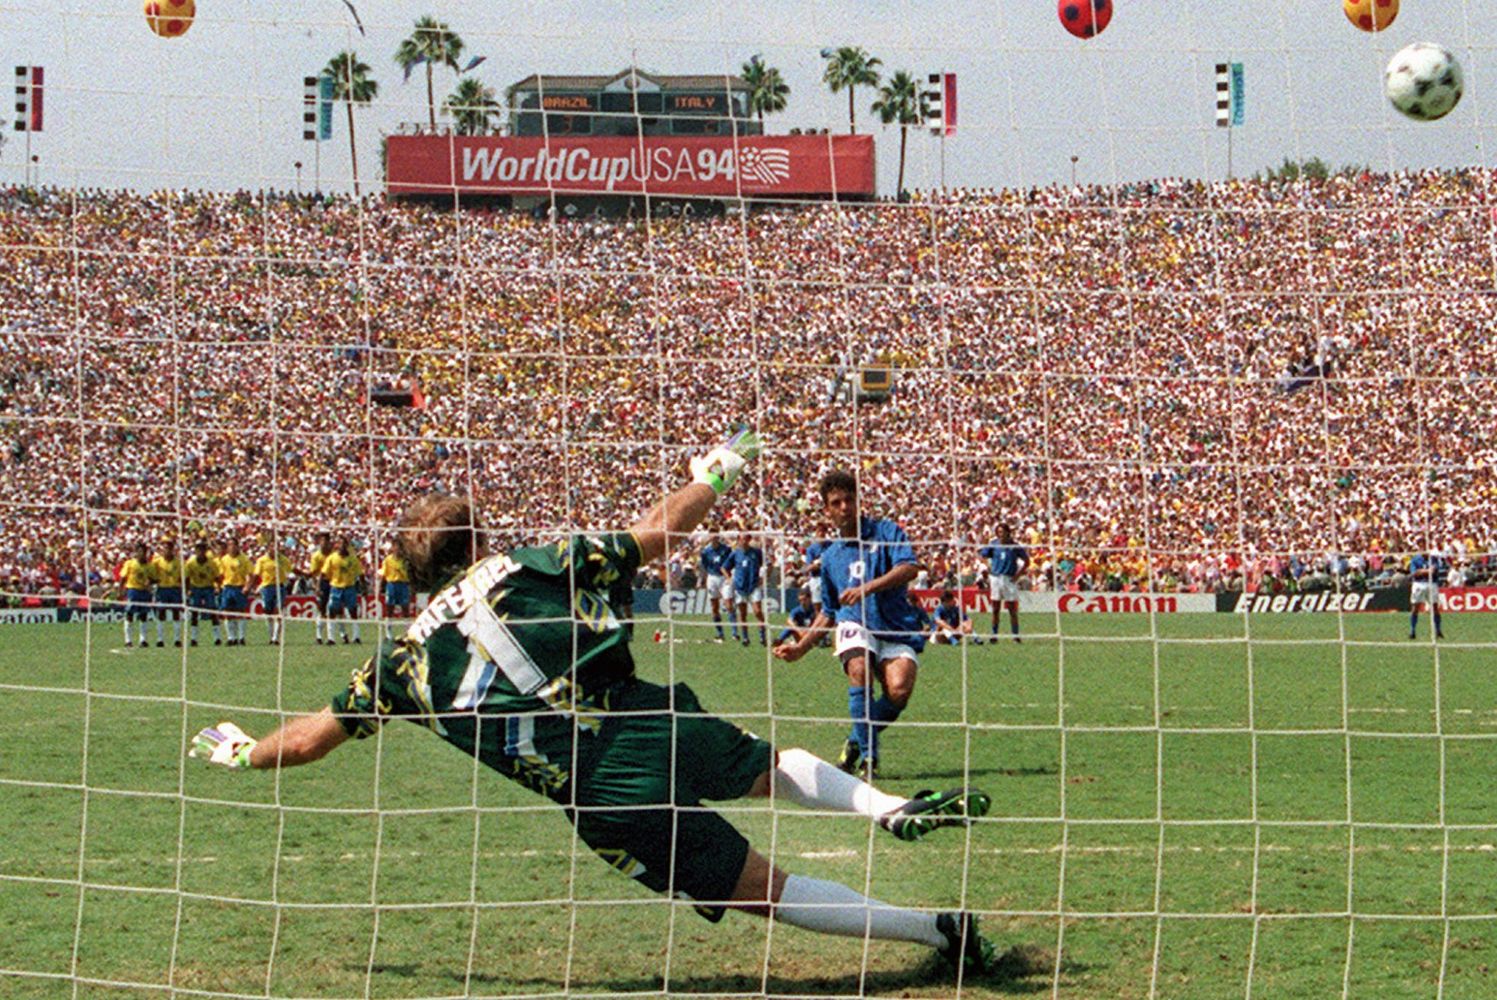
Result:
[[438, 536]]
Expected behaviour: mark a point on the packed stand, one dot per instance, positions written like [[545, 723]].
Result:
[[1171, 384]]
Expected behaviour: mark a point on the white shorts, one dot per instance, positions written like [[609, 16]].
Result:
[[1425, 592], [814, 585], [851, 635], [1003, 588], [719, 587], [749, 596]]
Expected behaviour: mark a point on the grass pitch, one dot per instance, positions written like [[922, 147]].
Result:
[[1199, 806]]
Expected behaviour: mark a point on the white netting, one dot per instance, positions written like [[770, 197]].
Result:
[[1170, 388]]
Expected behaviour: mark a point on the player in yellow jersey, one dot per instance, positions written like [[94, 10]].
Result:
[[272, 571], [166, 568], [135, 573], [234, 573], [397, 580], [319, 580], [343, 568], [201, 570]]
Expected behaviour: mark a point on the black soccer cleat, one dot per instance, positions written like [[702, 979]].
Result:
[[929, 810], [850, 756], [965, 950]]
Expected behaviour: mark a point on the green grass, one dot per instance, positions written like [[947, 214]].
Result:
[[400, 870]]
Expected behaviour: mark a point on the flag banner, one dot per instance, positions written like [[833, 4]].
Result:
[[1238, 96], [36, 98], [29, 98], [309, 108], [324, 108], [948, 104], [1223, 95]]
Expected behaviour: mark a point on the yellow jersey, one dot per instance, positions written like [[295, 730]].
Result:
[[137, 575], [201, 572], [342, 571], [234, 570], [394, 570], [318, 558], [168, 572], [273, 571]]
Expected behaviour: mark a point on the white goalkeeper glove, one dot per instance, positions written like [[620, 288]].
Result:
[[721, 467], [224, 744]]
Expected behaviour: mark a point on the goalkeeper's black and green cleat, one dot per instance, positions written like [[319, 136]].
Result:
[[850, 756], [929, 810], [966, 950]]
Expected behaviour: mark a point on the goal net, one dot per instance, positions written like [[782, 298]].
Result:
[[1218, 400]]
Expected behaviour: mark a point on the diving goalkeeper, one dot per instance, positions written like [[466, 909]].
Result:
[[520, 660]]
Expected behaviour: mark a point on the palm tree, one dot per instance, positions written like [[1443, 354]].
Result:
[[472, 106], [767, 89], [432, 43], [353, 85], [850, 67], [900, 103]]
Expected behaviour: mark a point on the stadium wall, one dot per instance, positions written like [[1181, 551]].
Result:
[[671, 603]]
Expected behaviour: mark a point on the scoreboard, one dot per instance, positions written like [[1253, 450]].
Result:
[[637, 104]]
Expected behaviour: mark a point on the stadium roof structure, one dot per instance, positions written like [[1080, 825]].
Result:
[[629, 78]]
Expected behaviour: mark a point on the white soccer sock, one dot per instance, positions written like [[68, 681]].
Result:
[[214, 625], [127, 631], [831, 908], [176, 630], [160, 630], [355, 628], [140, 630], [809, 781], [194, 631]]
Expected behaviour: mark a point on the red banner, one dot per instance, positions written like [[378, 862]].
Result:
[[663, 166], [1468, 598]]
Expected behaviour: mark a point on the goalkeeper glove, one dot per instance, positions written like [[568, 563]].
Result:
[[721, 467], [224, 744]]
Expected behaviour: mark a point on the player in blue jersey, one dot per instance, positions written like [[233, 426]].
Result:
[[747, 564], [1426, 572], [865, 577], [801, 617], [714, 558], [951, 624], [1006, 561]]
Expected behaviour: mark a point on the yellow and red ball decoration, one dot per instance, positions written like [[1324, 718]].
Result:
[[170, 18], [1370, 15]]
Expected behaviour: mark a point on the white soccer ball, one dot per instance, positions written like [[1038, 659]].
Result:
[[1424, 81]]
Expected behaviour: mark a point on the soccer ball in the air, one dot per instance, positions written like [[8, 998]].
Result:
[[1085, 18], [170, 18], [1370, 15], [1424, 81]]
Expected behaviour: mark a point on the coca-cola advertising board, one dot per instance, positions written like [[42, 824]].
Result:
[[757, 166]]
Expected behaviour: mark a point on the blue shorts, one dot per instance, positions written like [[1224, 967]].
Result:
[[270, 598], [168, 597], [232, 599], [202, 597], [398, 595], [344, 599], [137, 601]]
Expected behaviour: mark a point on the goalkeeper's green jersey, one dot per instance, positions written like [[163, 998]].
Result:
[[510, 661]]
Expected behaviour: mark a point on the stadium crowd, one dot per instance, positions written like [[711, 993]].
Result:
[[1169, 385]]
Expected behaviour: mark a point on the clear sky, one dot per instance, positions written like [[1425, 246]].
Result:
[[221, 107]]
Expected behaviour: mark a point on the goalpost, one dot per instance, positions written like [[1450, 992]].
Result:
[[1221, 414]]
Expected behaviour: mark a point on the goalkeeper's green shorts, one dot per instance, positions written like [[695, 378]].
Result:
[[639, 798]]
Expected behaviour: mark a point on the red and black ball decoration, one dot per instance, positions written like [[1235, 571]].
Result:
[[1085, 18]]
